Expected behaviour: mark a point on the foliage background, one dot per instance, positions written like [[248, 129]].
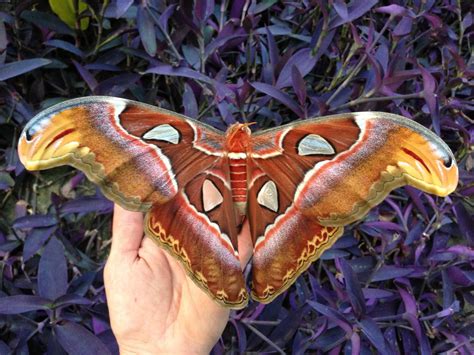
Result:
[[400, 281]]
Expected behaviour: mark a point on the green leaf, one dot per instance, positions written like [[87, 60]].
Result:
[[65, 10]]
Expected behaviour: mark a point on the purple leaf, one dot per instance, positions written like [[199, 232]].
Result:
[[341, 9], [165, 16], [362, 265], [4, 348], [22, 303], [385, 226], [465, 222], [332, 314], [375, 336], [7, 247], [221, 41], [256, 8], [429, 93], [192, 56], [3, 42], [99, 326], [303, 60], [67, 300], [241, 336], [394, 10], [450, 310], [116, 85], [356, 9], [414, 233], [86, 75], [118, 8], [330, 339], [81, 285], [122, 6], [409, 301], [448, 290], [462, 250], [225, 112], [331, 254], [203, 9], [33, 221], [467, 20], [415, 196], [299, 85], [376, 293], [403, 28], [419, 333], [10, 70], [382, 56], [346, 241], [355, 343], [165, 69], [71, 48], [146, 28], [354, 290], [389, 272], [77, 340], [284, 98], [108, 338], [289, 326], [52, 271], [272, 49], [35, 240], [189, 102], [102, 67], [237, 9], [86, 205]]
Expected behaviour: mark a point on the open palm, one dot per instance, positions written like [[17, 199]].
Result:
[[154, 307]]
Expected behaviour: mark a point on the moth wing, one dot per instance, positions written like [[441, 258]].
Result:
[[138, 154], [152, 160], [325, 173]]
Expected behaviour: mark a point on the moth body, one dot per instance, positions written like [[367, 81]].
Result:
[[237, 142]]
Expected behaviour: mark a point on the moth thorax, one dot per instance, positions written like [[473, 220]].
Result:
[[238, 138]]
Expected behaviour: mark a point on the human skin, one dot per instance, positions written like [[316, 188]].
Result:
[[154, 307]]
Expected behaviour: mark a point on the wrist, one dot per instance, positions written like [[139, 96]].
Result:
[[145, 349]]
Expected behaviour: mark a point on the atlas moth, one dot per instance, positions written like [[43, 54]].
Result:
[[297, 185]]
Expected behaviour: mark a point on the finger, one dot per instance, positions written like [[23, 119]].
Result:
[[127, 231], [245, 244]]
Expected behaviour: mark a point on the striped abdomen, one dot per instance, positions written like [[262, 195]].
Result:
[[238, 180]]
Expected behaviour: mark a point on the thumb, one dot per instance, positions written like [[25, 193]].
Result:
[[127, 232]]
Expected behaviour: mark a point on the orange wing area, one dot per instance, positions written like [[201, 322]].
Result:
[[355, 164], [391, 152]]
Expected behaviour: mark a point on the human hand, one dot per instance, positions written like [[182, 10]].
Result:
[[154, 307]]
